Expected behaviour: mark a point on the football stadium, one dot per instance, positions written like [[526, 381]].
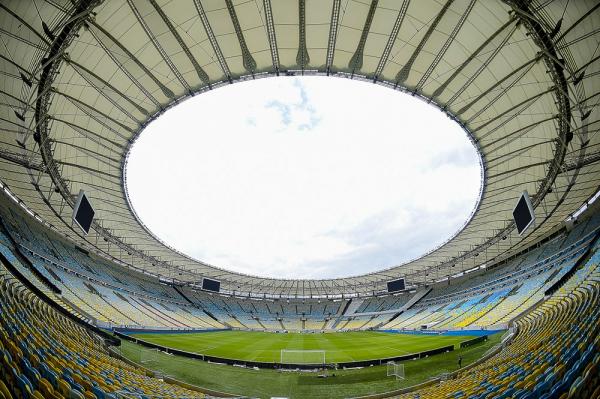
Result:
[[299, 199]]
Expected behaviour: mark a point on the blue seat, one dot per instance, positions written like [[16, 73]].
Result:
[[25, 386], [541, 388], [521, 394], [98, 392], [550, 377], [32, 374], [49, 374], [558, 389], [569, 377], [25, 362]]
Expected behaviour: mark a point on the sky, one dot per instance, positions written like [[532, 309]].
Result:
[[303, 177]]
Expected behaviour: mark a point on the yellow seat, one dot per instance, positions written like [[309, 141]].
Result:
[[63, 387], [89, 395], [5, 390], [45, 387], [86, 384]]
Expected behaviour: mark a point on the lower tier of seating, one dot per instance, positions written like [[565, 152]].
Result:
[[556, 353], [43, 354]]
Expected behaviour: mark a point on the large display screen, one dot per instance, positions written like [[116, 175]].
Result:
[[396, 285], [523, 213], [211, 285], [83, 213]]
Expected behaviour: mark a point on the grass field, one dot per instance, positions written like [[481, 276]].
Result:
[[266, 347], [266, 383]]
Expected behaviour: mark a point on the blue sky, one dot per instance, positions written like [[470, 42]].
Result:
[[308, 177]]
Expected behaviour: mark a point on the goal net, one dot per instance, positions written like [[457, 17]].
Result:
[[309, 357], [395, 369], [148, 357]]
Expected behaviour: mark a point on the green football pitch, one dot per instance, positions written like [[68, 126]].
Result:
[[267, 383], [337, 347]]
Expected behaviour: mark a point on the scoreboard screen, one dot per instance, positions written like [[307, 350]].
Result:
[[211, 285], [396, 285]]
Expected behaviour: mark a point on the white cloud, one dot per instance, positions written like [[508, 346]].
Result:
[[309, 178]]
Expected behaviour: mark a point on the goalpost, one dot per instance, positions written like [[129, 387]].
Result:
[[148, 357], [307, 357], [395, 369]]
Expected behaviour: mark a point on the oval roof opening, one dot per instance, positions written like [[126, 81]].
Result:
[[304, 177]]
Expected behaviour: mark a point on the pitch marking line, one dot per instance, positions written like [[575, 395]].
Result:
[[397, 350], [207, 349]]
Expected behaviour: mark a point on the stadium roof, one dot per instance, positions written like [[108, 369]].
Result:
[[81, 79]]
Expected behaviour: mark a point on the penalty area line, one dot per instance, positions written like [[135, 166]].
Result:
[[398, 350]]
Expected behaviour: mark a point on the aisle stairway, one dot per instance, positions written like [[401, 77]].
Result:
[[353, 306]]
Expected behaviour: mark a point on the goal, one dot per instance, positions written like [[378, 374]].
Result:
[[395, 369], [148, 357], [308, 357]]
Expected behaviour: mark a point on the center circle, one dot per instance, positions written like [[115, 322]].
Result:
[[304, 177]]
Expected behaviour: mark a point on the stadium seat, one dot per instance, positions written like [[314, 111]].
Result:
[[554, 354], [4, 390], [24, 386]]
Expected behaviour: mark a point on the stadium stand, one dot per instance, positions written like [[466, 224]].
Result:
[[93, 290], [556, 353], [495, 297], [97, 290], [82, 80], [60, 359]]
